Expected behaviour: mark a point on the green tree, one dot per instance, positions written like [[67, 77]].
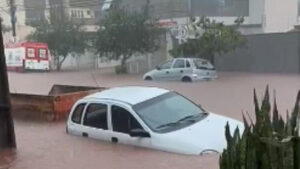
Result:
[[216, 38], [62, 36], [122, 34]]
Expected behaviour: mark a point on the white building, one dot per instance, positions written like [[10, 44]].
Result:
[[21, 28], [264, 16]]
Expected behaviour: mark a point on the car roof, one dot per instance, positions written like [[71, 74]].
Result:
[[191, 58], [131, 94]]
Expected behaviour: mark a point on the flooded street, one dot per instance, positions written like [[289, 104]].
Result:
[[47, 146]]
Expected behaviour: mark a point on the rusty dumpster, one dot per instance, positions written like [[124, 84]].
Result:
[[52, 107]]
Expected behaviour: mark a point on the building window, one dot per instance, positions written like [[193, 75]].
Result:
[[107, 5], [78, 14], [81, 13]]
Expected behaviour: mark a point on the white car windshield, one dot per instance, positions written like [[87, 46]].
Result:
[[169, 112]]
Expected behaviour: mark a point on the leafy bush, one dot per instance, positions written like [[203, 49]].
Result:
[[269, 143]]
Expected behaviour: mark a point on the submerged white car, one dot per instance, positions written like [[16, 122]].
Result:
[[149, 117], [183, 69]]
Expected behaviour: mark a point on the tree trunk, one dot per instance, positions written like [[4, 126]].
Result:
[[58, 66], [123, 64], [60, 62], [212, 59], [7, 134]]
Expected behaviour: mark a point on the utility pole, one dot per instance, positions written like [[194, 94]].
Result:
[[7, 133], [190, 9], [13, 18], [147, 8]]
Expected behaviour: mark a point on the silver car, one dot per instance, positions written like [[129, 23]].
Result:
[[183, 69]]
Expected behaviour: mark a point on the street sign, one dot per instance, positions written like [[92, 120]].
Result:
[[180, 32]]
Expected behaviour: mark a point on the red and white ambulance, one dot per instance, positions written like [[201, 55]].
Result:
[[27, 56]]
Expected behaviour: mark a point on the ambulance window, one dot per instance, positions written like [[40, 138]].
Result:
[[43, 53], [30, 52]]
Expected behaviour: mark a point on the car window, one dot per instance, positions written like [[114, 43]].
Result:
[[179, 63], [203, 64], [123, 121], [188, 65], [96, 116], [166, 65], [167, 108], [77, 113]]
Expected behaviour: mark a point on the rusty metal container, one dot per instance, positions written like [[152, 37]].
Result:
[[52, 107]]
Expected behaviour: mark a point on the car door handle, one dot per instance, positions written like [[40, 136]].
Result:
[[167, 72], [181, 71], [84, 134], [114, 140]]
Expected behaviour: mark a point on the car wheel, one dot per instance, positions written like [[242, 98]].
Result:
[[186, 79], [148, 78]]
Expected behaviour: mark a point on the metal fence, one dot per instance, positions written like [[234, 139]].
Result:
[[270, 53]]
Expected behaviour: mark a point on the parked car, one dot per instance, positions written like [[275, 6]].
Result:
[[183, 69], [149, 117]]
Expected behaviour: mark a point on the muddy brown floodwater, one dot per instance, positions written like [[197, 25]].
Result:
[[47, 146]]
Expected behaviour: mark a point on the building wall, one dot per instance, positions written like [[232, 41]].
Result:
[[143, 63], [272, 15], [85, 61], [256, 11], [280, 15], [274, 53], [22, 29], [20, 14], [34, 10]]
